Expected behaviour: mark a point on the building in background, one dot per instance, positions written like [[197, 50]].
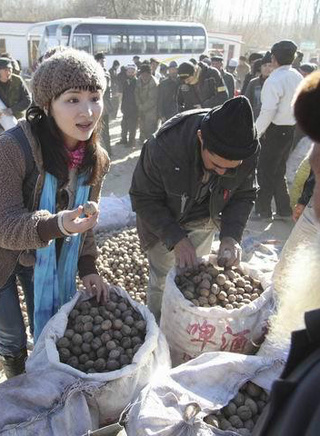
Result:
[[227, 45], [21, 40]]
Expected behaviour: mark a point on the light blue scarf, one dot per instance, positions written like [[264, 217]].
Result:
[[55, 284]]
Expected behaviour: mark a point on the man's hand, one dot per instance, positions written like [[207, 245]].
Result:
[[95, 285], [185, 254], [229, 253], [297, 211], [72, 222]]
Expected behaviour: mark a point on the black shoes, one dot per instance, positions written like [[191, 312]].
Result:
[[14, 365]]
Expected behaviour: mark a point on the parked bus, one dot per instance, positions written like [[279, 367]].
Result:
[[122, 39]]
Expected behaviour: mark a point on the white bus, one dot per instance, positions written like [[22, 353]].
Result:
[[122, 39]]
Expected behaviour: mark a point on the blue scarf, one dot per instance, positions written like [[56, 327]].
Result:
[[55, 284]]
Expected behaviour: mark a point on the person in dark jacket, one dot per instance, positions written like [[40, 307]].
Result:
[[229, 80], [115, 91], [129, 107], [201, 87], [167, 96], [13, 91], [107, 106], [261, 70], [252, 58], [195, 174]]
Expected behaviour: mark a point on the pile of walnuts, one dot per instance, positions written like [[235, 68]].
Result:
[[102, 338], [242, 413], [209, 285], [122, 262]]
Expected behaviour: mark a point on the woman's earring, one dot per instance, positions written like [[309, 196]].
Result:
[[45, 110]]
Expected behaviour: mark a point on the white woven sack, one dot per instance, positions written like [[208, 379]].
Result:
[[191, 330], [112, 391], [200, 384]]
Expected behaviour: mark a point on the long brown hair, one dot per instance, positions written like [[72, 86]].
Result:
[[54, 154]]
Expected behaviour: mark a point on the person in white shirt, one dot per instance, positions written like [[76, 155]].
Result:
[[275, 125]]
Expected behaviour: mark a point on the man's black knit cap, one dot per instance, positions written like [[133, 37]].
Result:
[[229, 130]]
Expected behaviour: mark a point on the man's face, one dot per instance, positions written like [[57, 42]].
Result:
[[130, 72], [266, 70], [5, 74], [136, 60], [145, 77], [215, 163], [154, 65], [217, 64], [173, 72]]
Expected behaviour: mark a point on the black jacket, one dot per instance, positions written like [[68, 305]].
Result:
[[230, 82], [167, 179], [210, 91], [167, 98], [308, 189], [129, 105]]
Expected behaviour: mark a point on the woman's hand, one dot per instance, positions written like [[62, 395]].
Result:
[[95, 285], [72, 222]]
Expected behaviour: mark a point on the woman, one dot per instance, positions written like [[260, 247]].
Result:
[[50, 165]]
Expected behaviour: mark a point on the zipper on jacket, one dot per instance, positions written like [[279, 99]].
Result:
[[184, 198]]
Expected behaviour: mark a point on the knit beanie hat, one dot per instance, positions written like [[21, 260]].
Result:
[[145, 68], [66, 70], [229, 130], [185, 70]]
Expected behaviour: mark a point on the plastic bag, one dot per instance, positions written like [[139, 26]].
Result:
[[115, 213], [191, 330]]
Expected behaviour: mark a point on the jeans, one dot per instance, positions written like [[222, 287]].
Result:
[[161, 260], [13, 336]]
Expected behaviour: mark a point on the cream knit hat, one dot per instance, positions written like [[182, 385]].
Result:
[[66, 70]]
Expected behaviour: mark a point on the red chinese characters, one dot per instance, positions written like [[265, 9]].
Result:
[[234, 342], [203, 333]]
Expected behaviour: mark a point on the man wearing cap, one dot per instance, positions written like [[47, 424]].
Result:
[[276, 122], [13, 91], [194, 176], [129, 107], [229, 80], [201, 87], [261, 70], [146, 94], [154, 64], [168, 88], [136, 61]]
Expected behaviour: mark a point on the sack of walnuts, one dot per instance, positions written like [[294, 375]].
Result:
[[114, 349], [198, 399], [212, 309]]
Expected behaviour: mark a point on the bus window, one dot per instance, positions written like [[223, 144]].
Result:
[[101, 43], [65, 35], [82, 42], [193, 43], [118, 44], [199, 43], [169, 41], [50, 36]]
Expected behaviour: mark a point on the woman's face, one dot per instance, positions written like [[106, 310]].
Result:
[[76, 113]]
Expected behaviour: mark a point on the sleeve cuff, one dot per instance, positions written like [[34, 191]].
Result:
[[86, 266], [48, 228]]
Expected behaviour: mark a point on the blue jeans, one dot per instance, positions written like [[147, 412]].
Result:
[[13, 336]]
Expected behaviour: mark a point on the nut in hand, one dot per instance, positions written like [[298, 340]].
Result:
[[90, 208]]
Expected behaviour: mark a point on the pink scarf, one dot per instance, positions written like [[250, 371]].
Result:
[[76, 156]]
